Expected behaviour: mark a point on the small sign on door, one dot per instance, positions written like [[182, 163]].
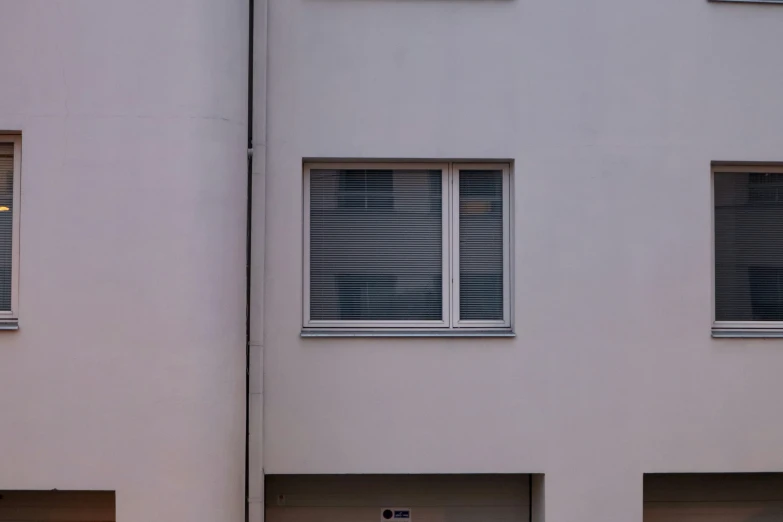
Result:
[[395, 515]]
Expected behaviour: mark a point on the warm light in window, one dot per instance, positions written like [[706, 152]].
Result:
[[4, 209]]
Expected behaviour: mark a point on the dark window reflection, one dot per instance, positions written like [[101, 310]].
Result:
[[481, 245], [765, 188], [748, 246], [376, 245], [766, 292], [366, 189], [481, 296], [376, 297], [6, 228]]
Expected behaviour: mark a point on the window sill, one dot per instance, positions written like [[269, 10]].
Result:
[[747, 1], [723, 332], [337, 332], [9, 324]]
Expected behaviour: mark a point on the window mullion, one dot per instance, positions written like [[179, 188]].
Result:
[[447, 257], [507, 245], [454, 247]]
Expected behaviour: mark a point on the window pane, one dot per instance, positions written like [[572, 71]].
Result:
[[481, 244], [366, 189], [6, 223], [748, 247], [376, 241]]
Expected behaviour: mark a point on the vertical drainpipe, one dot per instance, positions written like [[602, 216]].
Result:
[[257, 109]]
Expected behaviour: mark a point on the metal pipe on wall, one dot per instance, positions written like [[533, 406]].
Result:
[[257, 110]]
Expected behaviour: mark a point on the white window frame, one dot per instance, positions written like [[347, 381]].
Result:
[[450, 229], [9, 318], [455, 260], [747, 1], [739, 328]]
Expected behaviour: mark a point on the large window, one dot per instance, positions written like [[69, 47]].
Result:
[[748, 249], [412, 246], [10, 159]]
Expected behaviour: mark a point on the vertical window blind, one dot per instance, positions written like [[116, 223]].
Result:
[[748, 246], [6, 223]]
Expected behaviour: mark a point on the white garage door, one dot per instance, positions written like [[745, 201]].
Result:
[[57, 506], [409, 498], [738, 497]]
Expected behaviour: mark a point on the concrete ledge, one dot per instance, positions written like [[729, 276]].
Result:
[[747, 333], [337, 332], [9, 324]]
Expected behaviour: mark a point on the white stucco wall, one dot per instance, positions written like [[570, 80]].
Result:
[[612, 112], [128, 370]]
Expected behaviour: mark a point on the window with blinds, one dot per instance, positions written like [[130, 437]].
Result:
[[481, 245], [9, 172], [407, 245], [748, 221]]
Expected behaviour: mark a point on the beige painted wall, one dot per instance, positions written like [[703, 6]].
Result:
[[612, 112], [127, 373]]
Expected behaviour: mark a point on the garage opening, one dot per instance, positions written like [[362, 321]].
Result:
[[57, 506], [714, 497], [400, 498]]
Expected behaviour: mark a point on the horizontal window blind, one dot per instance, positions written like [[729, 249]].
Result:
[[748, 246], [480, 245], [376, 241], [6, 223]]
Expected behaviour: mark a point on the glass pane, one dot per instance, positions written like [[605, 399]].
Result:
[[376, 241], [6, 223], [748, 246], [481, 245]]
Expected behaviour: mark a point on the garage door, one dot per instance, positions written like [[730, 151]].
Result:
[[714, 498], [57, 506], [397, 498]]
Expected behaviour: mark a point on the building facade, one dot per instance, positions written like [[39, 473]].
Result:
[[125, 380], [490, 260], [610, 117]]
